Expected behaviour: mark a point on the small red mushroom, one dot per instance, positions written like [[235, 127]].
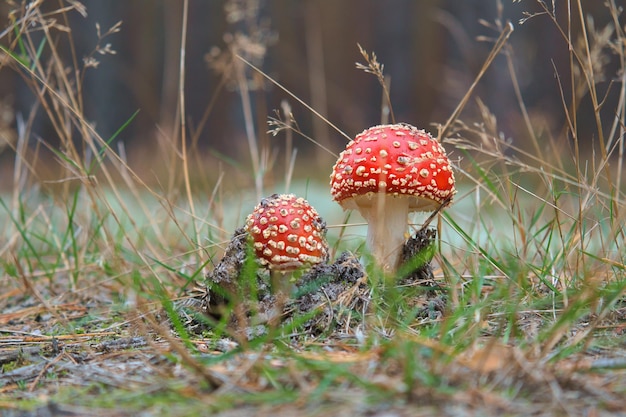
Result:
[[386, 172], [287, 233]]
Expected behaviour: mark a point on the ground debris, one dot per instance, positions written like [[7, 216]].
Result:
[[12, 354], [335, 295], [53, 409], [416, 256], [487, 379], [23, 373], [229, 267], [324, 288], [338, 292], [120, 344], [226, 273]]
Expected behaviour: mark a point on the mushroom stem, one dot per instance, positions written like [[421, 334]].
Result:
[[387, 220], [282, 282], [281, 287]]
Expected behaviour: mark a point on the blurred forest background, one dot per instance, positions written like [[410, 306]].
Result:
[[431, 50]]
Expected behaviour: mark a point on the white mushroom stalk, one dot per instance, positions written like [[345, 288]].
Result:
[[386, 234]]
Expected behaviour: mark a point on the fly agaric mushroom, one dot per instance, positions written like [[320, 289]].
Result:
[[386, 172], [287, 233]]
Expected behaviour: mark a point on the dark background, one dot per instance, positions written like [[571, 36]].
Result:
[[429, 48]]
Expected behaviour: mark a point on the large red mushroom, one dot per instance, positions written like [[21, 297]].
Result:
[[386, 172]]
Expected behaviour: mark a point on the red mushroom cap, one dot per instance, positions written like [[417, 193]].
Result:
[[396, 159], [287, 233]]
